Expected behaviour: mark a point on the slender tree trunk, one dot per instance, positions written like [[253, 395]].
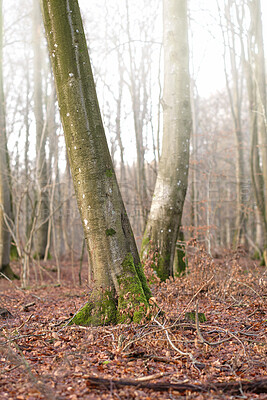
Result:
[[5, 196], [139, 99], [121, 292], [41, 167], [235, 98], [171, 185], [256, 84]]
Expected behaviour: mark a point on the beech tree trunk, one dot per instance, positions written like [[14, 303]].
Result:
[[41, 166], [235, 92], [5, 198], [256, 83], [171, 185], [121, 293]]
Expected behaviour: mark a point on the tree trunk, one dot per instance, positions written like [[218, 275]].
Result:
[[41, 167], [235, 97], [121, 293], [5, 197], [256, 83], [171, 185]]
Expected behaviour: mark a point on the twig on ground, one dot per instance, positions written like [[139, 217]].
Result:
[[200, 336]]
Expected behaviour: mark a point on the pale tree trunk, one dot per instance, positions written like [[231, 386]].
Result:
[[235, 96], [195, 132], [5, 197], [138, 92], [121, 292], [256, 82], [41, 167], [171, 185]]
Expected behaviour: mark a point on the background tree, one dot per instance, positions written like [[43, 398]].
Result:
[[41, 164], [171, 185], [121, 292], [5, 194]]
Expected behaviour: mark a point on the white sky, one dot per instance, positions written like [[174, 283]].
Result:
[[206, 43]]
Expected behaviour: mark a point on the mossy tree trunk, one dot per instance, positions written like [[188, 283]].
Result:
[[5, 197], [121, 293], [171, 185], [41, 165]]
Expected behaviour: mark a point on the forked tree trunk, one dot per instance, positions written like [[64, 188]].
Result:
[[121, 293], [171, 185]]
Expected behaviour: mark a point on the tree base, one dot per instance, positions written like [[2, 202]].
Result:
[[100, 310], [130, 304], [7, 271]]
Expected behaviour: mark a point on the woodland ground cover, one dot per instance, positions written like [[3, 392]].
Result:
[[41, 357]]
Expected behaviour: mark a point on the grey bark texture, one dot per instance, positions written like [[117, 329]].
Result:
[[171, 185], [121, 293], [41, 165]]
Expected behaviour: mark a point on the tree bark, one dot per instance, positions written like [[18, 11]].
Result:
[[121, 293], [5, 196], [41, 167], [171, 185]]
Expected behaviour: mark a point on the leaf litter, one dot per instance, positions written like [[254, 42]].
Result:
[[171, 356]]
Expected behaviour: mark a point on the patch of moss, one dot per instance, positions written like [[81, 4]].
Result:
[[132, 301], [256, 256], [161, 267], [110, 232], [181, 260], [99, 311], [13, 252], [109, 173], [145, 246], [191, 316]]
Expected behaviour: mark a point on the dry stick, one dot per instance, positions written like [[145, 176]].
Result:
[[182, 353], [221, 341], [20, 289], [20, 360], [245, 284], [194, 296], [21, 337], [69, 321], [23, 323], [257, 386], [204, 341], [175, 322], [151, 377]]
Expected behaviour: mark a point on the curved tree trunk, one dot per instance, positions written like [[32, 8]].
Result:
[[121, 292], [171, 185]]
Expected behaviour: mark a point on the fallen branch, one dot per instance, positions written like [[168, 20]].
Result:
[[258, 386]]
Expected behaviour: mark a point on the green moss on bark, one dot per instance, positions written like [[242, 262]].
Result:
[[161, 268], [110, 232], [131, 304], [100, 310], [145, 247], [132, 300], [109, 173]]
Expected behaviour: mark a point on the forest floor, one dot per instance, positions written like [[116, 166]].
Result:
[[171, 357]]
